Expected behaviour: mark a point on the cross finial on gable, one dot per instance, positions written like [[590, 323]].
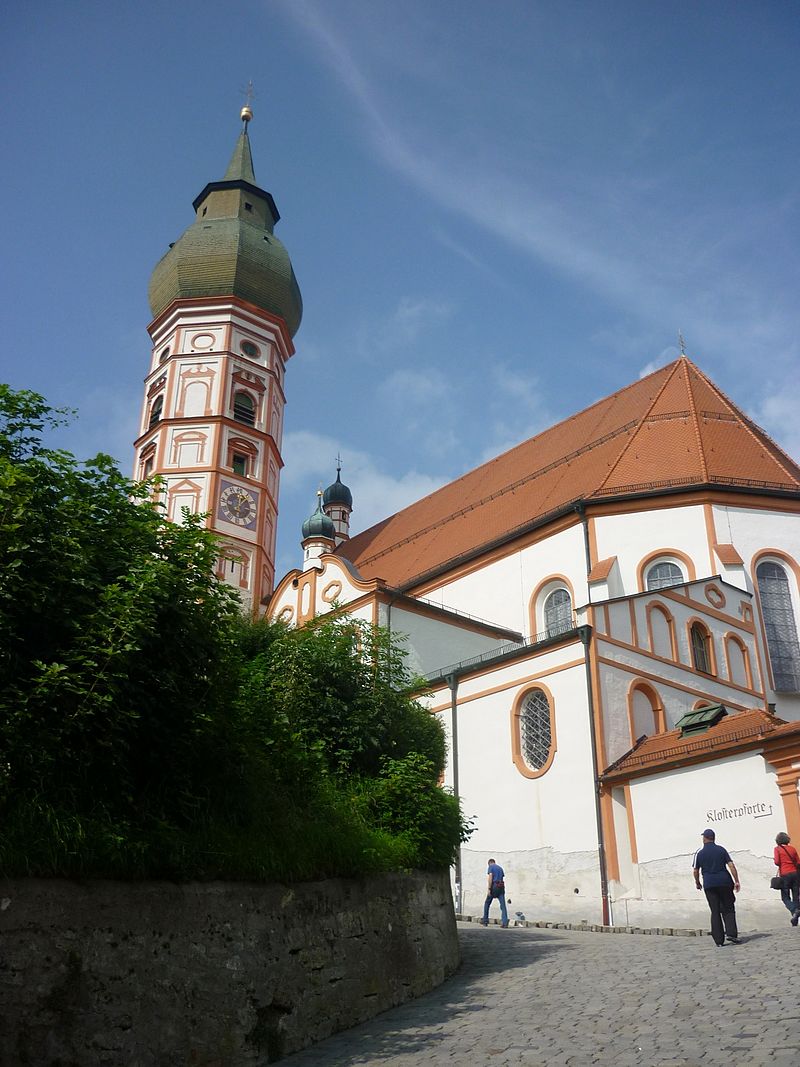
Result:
[[682, 343]]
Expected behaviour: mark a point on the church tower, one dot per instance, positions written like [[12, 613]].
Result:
[[225, 306]]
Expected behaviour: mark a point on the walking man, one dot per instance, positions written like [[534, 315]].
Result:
[[495, 890], [720, 882]]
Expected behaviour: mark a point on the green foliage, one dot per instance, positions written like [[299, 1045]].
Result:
[[147, 729]]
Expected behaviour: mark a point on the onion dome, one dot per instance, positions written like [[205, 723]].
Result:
[[338, 493], [318, 524], [230, 249]]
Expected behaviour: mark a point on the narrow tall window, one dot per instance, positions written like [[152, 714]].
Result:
[[701, 652], [663, 575], [155, 411], [244, 410], [536, 736], [780, 626], [239, 464], [558, 612]]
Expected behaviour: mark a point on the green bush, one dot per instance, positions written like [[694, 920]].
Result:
[[147, 729]]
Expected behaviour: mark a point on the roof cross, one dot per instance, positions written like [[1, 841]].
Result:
[[338, 463], [682, 343], [249, 95]]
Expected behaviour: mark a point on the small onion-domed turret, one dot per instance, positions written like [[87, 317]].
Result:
[[338, 493], [337, 501], [318, 524]]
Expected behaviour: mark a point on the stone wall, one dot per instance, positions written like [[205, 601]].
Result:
[[154, 973]]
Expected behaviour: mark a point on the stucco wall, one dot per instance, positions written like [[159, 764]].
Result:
[[143, 974]]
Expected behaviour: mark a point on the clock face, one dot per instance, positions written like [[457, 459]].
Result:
[[238, 505]]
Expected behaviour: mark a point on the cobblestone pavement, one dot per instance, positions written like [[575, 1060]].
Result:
[[557, 997]]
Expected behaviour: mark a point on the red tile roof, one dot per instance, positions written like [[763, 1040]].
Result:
[[670, 430], [740, 731]]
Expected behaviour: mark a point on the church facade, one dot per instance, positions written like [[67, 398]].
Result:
[[606, 618]]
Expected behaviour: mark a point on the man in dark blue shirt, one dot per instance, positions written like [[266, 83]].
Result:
[[495, 890], [720, 882]]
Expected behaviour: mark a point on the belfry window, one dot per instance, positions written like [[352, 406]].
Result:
[[535, 732], [780, 626], [558, 612], [244, 410], [155, 411], [239, 464], [663, 575]]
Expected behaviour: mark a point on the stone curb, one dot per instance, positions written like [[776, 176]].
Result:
[[591, 928]]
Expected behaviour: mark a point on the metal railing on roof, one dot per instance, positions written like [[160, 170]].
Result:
[[508, 648], [461, 614]]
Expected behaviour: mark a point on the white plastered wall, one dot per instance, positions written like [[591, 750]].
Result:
[[501, 591], [542, 830], [738, 798]]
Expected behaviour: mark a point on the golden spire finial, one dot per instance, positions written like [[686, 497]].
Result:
[[246, 113]]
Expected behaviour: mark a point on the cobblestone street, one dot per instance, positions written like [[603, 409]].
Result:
[[540, 996]]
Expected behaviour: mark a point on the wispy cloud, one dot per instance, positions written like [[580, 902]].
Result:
[[634, 234], [376, 492]]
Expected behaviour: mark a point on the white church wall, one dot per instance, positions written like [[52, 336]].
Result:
[[542, 830], [636, 535], [739, 799], [501, 591]]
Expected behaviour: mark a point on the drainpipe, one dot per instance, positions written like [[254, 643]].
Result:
[[586, 638], [452, 681]]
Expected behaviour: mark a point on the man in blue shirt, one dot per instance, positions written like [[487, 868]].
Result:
[[720, 882], [495, 890]]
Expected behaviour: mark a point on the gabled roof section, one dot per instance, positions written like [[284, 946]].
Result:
[[740, 732], [669, 431]]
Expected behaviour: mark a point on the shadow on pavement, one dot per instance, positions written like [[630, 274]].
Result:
[[411, 1028]]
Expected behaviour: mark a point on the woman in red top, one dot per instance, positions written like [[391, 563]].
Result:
[[787, 861]]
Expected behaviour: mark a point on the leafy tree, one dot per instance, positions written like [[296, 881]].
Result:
[[147, 728], [114, 634]]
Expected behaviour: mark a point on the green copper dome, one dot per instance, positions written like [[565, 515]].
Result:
[[318, 524], [230, 249]]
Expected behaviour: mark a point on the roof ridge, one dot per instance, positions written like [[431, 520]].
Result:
[[695, 421], [641, 421], [754, 430], [495, 459]]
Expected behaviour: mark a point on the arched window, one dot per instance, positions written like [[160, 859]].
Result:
[[780, 626], [155, 411], [558, 612], [536, 735], [244, 410], [701, 648], [738, 662], [662, 575], [645, 711]]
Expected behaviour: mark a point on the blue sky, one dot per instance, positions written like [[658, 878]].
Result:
[[498, 213]]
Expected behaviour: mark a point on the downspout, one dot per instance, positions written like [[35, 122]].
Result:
[[586, 638], [452, 681]]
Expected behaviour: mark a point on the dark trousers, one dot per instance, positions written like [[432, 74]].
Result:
[[722, 901], [789, 892]]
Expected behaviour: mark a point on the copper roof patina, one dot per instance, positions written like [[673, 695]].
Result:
[[230, 249]]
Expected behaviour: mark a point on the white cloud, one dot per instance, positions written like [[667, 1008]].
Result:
[[777, 413], [376, 493]]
